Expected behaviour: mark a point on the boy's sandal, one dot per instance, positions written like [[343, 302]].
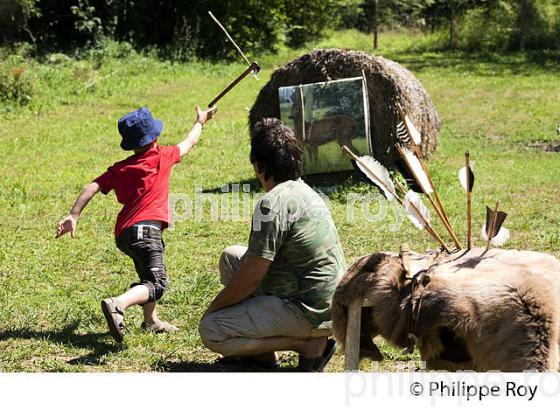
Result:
[[114, 315], [159, 327], [317, 364]]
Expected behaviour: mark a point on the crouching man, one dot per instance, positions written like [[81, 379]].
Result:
[[277, 291]]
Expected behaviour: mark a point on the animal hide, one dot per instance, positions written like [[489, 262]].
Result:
[[481, 310]]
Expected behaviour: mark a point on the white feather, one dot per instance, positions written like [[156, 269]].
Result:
[[500, 239], [418, 171], [463, 175], [414, 133], [377, 172], [412, 198]]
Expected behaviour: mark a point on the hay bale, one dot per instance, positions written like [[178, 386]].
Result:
[[387, 81]]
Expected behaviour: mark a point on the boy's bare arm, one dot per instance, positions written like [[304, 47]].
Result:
[[194, 134], [68, 223]]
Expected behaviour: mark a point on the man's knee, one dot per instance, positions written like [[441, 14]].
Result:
[[210, 333], [230, 260]]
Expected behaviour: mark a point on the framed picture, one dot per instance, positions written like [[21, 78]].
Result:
[[326, 116]]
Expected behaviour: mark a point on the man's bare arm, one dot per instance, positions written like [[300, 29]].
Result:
[[242, 285], [68, 223], [194, 134]]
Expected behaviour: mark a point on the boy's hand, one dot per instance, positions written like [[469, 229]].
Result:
[[67, 224], [203, 116]]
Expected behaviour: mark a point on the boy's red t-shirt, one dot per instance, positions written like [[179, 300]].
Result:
[[141, 183]]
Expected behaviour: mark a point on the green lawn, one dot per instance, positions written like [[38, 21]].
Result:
[[494, 105]]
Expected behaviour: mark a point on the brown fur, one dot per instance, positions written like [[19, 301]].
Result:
[[495, 310]]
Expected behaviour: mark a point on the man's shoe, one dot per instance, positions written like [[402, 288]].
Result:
[[159, 327], [317, 364], [114, 315]]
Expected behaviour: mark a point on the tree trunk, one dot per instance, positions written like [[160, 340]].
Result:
[[375, 23], [452, 29], [523, 16]]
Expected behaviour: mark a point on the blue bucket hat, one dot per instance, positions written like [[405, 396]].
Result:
[[139, 128]]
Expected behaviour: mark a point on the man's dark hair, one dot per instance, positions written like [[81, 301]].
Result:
[[276, 151]]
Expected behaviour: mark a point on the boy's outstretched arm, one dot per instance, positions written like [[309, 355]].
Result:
[[194, 134], [68, 223]]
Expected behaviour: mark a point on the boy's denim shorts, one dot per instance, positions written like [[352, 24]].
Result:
[[144, 244]]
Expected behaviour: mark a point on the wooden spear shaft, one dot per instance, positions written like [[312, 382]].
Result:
[[492, 225], [428, 227], [469, 210], [436, 208]]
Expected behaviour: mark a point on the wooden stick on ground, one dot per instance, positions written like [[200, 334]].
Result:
[[492, 226], [469, 210], [436, 208]]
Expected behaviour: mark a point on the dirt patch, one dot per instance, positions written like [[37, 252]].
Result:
[[545, 146]]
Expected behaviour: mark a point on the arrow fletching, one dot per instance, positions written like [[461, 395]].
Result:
[[414, 133], [402, 134], [416, 168], [464, 173], [499, 239], [500, 218], [377, 174], [416, 210]]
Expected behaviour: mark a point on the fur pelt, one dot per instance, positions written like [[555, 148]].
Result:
[[481, 310]]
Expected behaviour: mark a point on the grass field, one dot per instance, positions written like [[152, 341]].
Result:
[[503, 108]]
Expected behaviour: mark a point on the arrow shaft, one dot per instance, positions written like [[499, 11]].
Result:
[[231, 85], [469, 209], [229, 37]]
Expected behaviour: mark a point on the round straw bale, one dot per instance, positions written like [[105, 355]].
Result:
[[387, 81]]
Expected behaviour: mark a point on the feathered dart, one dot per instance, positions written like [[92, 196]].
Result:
[[416, 210], [375, 172], [499, 239], [414, 162], [379, 175], [402, 134], [492, 230], [423, 180], [414, 133], [466, 178]]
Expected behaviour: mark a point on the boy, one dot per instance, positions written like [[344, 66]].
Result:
[[141, 184]]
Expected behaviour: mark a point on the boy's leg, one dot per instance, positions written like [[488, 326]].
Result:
[[136, 295]]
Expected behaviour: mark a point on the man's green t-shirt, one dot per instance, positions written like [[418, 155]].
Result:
[[293, 228]]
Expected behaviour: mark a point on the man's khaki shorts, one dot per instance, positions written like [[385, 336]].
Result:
[[230, 331]]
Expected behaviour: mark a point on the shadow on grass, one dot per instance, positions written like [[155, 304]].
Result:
[[68, 337], [480, 63], [217, 367]]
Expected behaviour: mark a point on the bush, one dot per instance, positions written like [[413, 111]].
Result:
[[16, 84]]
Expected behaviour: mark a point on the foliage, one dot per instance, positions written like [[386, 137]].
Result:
[[16, 84]]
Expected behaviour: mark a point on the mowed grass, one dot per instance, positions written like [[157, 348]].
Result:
[[493, 105]]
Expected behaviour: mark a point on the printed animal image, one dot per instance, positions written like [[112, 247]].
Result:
[[340, 128], [478, 310]]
